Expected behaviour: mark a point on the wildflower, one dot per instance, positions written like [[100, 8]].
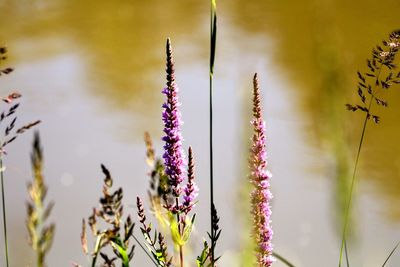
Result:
[[191, 188], [259, 177], [174, 160]]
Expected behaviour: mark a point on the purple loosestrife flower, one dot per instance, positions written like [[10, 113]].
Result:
[[191, 188], [259, 177], [174, 160]]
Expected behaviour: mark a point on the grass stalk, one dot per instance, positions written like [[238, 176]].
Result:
[[213, 37], [353, 179], [385, 57], [4, 211], [211, 168]]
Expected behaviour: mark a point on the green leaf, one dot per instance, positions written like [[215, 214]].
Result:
[[178, 238], [175, 234], [201, 260], [117, 244], [188, 229]]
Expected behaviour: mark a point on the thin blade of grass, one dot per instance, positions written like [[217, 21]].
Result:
[[282, 259], [391, 253], [346, 253]]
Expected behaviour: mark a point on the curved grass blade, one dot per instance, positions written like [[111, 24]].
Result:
[[282, 259], [391, 253]]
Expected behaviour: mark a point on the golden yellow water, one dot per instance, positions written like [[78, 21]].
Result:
[[93, 72]]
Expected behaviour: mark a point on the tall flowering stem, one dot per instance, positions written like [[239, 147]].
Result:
[[381, 75], [260, 177], [181, 200], [191, 188], [9, 118], [174, 160]]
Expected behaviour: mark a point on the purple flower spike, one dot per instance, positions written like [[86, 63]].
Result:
[[191, 188], [259, 177], [174, 160]]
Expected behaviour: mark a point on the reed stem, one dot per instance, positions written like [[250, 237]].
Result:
[[4, 211]]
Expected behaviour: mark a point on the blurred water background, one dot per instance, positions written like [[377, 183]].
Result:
[[93, 71]]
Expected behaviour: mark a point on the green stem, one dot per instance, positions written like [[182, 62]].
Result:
[[145, 250], [373, 94], [124, 257], [347, 254], [213, 38], [346, 217], [211, 170], [282, 259], [4, 211], [40, 259], [181, 255]]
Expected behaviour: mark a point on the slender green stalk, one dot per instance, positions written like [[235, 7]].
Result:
[[390, 255], [181, 255], [145, 250], [4, 211], [180, 232], [347, 254], [211, 168], [40, 260], [282, 259], [353, 179], [351, 190], [213, 36], [385, 57]]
